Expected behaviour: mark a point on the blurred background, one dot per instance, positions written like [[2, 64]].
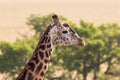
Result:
[[97, 21]]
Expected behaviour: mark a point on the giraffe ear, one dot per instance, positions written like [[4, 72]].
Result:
[[65, 25]]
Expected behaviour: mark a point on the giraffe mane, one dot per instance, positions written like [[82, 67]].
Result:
[[45, 32]]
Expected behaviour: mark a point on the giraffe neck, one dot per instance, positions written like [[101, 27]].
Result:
[[38, 64]]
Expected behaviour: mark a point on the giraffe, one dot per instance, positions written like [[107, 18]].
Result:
[[55, 34]]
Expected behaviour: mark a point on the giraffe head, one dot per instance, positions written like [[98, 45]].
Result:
[[62, 34]]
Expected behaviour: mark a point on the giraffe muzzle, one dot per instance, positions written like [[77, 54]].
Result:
[[81, 42]]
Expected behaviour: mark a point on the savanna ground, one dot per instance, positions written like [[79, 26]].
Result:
[[13, 13]]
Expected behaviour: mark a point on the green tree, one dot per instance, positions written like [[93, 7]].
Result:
[[15, 55], [111, 32]]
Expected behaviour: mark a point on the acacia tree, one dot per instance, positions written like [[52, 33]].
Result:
[[92, 51], [101, 48], [111, 32]]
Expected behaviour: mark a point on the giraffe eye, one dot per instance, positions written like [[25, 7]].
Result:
[[65, 31]]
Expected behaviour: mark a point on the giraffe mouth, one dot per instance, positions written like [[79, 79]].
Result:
[[81, 42]]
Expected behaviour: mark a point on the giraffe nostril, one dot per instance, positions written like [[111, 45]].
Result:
[[80, 40]]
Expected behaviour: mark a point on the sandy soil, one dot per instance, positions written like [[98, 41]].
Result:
[[14, 13]]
